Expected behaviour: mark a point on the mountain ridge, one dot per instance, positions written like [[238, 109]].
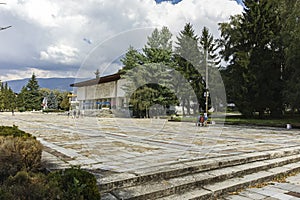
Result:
[[62, 84]]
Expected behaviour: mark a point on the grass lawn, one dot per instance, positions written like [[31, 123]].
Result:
[[240, 120]]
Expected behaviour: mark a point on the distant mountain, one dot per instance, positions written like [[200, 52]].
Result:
[[62, 84]]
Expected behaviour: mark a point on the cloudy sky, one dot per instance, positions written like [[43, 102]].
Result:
[[54, 38]]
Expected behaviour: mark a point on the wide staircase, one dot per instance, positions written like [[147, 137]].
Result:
[[202, 179]]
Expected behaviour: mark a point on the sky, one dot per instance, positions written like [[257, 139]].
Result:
[[54, 38]]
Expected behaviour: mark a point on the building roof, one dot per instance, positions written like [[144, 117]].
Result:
[[96, 81]]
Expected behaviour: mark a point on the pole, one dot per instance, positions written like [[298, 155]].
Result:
[[206, 81]]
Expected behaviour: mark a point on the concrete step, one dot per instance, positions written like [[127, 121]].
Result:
[[171, 186], [217, 190], [164, 172]]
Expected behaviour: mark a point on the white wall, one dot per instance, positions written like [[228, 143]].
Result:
[[120, 91]]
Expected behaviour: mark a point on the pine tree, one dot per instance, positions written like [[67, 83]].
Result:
[[52, 101], [291, 38], [152, 65], [2, 94], [253, 46], [131, 59], [31, 95], [12, 104], [210, 62], [187, 57]]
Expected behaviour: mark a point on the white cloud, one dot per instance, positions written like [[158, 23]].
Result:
[[27, 72], [60, 54], [52, 31]]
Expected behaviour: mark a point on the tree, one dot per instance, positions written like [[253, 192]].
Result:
[[210, 64], [148, 72], [131, 59], [187, 56], [7, 98], [31, 95], [291, 38], [65, 103], [52, 101], [252, 45], [12, 103]]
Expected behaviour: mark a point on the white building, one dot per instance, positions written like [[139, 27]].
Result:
[[101, 92]]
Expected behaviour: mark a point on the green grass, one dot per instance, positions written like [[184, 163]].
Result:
[[240, 120]]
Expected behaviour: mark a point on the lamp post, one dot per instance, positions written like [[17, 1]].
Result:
[[206, 81]]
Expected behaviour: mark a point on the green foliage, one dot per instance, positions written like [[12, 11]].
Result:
[[18, 150], [52, 101], [13, 131], [149, 66], [149, 95], [187, 58], [64, 104], [20, 156], [291, 38], [30, 97], [71, 184], [7, 98], [75, 183], [254, 48], [27, 185]]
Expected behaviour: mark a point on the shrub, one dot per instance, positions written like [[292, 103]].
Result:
[[30, 185], [75, 183], [18, 151], [13, 131]]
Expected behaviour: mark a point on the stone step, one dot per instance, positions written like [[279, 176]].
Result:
[[114, 181], [219, 189], [153, 190]]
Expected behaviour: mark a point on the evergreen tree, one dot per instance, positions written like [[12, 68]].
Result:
[[252, 44], [12, 103], [31, 95], [291, 37], [131, 59], [187, 57], [210, 63], [52, 101], [6, 97], [149, 66], [20, 99], [2, 94]]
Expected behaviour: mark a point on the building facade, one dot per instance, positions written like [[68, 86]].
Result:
[[102, 92]]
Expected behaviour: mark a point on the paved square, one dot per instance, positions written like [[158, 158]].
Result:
[[138, 146]]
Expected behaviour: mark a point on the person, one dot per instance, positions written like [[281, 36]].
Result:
[[74, 114], [200, 120]]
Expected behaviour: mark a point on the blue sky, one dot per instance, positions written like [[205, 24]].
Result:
[[52, 38]]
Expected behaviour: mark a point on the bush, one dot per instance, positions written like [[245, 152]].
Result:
[[30, 185], [13, 131], [18, 151], [75, 183]]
